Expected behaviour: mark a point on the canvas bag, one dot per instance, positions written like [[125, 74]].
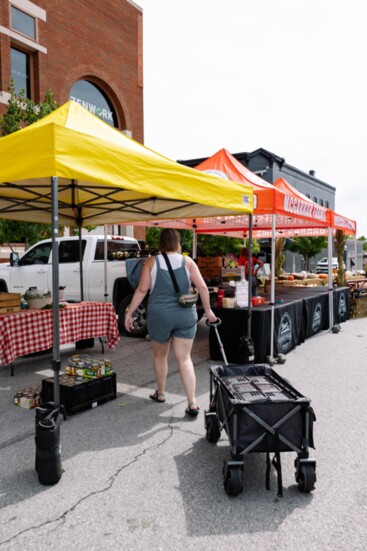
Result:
[[134, 267]]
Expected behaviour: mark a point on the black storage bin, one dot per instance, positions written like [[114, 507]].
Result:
[[81, 394]]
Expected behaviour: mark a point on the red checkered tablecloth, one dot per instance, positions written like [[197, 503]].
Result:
[[31, 331]]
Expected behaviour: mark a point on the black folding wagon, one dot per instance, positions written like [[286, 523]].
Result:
[[260, 412]]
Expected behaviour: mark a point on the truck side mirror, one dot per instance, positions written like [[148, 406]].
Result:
[[14, 259]]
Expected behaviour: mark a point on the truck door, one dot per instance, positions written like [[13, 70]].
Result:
[[33, 270], [69, 268]]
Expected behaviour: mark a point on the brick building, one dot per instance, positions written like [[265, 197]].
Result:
[[87, 51]]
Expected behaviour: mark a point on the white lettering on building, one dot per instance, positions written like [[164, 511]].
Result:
[[102, 113]]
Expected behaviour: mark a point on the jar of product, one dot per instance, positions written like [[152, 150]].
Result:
[[220, 298]]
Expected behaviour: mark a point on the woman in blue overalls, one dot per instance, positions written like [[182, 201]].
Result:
[[167, 320]]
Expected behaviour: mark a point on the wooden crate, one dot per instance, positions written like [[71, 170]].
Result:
[[9, 301], [10, 309]]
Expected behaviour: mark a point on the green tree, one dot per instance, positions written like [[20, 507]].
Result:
[[308, 247], [12, 231], [279, 255], [339, 242], [20, 112], [208, 245]]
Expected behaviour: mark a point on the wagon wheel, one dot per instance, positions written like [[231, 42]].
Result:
[[212, 428], [233, 481], [306, 478]]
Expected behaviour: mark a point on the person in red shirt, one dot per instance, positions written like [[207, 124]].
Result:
[[256, 265]]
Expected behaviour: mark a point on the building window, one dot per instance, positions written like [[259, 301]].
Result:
[[91, 97], [20, 71], [308, 195], [321, 202], [327, 204], [23, 23], [314, 199]]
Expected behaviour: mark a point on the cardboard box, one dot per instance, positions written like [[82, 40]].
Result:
[[230, 274], [82, 365], [89, 373], [28, 398]]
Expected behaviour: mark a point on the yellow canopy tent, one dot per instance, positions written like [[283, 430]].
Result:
[[72, 168], [103, 176]]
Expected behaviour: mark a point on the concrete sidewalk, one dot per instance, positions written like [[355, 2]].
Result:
[[140, 475]]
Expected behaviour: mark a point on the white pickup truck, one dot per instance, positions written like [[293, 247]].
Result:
[[34, 269]]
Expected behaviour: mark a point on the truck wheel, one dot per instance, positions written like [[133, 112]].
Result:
[[140, 318]]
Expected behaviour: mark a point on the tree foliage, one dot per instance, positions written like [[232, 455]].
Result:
[[12, 231], [308, 247], [20, 112], [208, 245], [339, 242]]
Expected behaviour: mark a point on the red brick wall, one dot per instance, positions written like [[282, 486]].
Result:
[[98, 41]]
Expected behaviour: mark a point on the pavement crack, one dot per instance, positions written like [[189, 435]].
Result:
[[110, 482]]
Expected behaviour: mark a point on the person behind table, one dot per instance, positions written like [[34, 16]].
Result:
[[167, 321], [256, 265]]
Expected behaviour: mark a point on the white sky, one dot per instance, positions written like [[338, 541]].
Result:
[[286, 75]]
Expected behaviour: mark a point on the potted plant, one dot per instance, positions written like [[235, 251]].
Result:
[[36, 299]]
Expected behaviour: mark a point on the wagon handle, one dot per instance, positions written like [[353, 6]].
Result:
[[216, 323]]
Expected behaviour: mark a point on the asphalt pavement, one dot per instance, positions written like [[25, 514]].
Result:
[[140, 475]]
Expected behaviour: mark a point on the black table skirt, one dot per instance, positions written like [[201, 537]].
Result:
[[304, 313]]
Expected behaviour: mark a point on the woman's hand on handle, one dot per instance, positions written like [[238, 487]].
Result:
[[211, 316]]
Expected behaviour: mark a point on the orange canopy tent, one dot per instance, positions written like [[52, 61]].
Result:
[[279, 210], [291, 213]]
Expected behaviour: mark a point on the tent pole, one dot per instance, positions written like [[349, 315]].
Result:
[[355, 260], [194, 241], [80, 258], [272, 286], [249, 309], [330, 278], [55, 291], [105, 263]]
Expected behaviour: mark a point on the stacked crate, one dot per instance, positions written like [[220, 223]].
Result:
[[9, 302], [210, 266]]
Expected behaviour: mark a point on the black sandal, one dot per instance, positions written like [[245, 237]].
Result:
[[192, 409], [158, 397]]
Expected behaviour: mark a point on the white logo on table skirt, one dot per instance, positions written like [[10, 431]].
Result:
[[342, 305], [285, 332], [316, 320]]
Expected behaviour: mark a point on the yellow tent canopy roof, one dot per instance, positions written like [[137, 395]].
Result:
[[103, 176]]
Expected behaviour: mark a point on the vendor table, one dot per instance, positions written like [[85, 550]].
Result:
[[303, 313], [30, 331]]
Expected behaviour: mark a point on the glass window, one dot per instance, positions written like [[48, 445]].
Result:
[[92, 98], [114, 247], [321, 202], [37, 255], [23, 23], [327, 204], [20, 71], [69, 251], [315, 199]]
